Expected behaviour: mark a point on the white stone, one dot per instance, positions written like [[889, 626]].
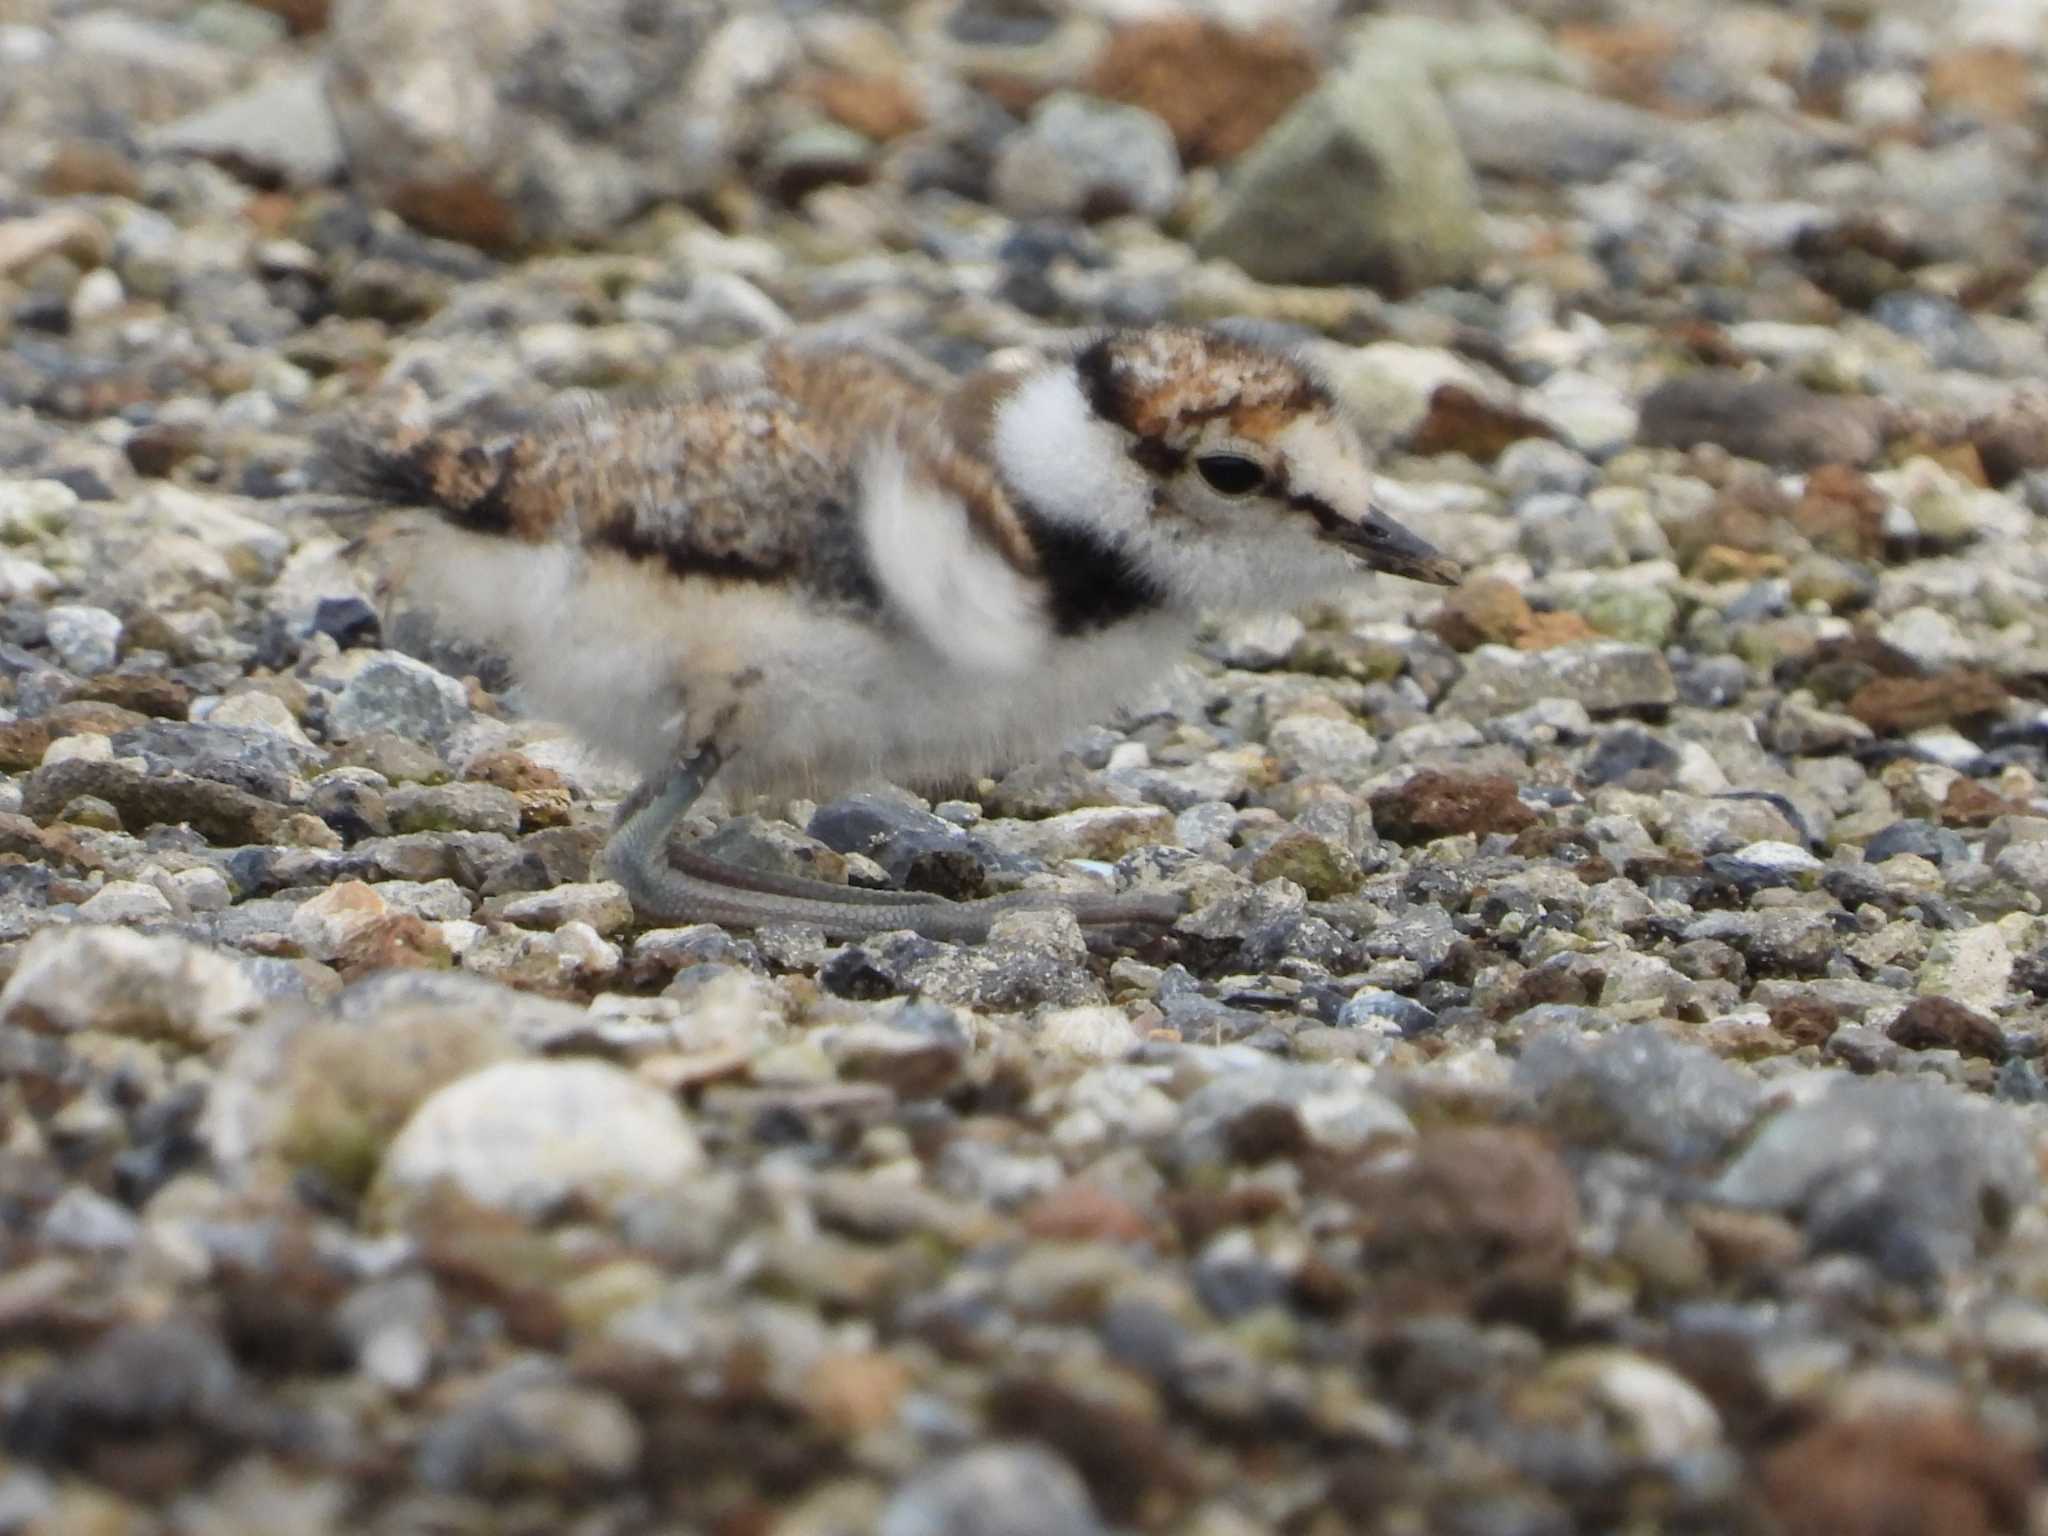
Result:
[[204, 890], [1971, 965], [527, 1136], [1089, 1034], [600, 905], [1928, 636], [1326, 746], [119, 982], [125, 901], [86, 640], [1780, 858], [21, 578], [259, 711], [85, 747], [99, 294], [1669, 1417]]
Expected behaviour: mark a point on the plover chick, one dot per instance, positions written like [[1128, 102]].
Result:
[[826, 571]]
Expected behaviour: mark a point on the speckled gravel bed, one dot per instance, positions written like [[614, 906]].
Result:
[[1599, 1083]]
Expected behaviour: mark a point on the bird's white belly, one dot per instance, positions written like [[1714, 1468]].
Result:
[[805, 700], [878, 707]]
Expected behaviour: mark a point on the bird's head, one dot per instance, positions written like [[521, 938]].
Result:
[[1223, 471]]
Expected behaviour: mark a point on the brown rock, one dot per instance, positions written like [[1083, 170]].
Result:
[[89, 168], [542, 793], [1747, 519], [1859, 259], [1459, 421], [1629, 61], [1484, 1218], [1769, 420], [1112, 1439], [467, 210], [1902, 704], [145, 694], [97, 717], [1971, 804], [1080, 1212], [1941, 1023], [1899, 1474], [157, 450], [399, 941], [1987, 82], [1742, 1242], [23, 839], [23, 743], [1217, 88], [1547, 631], [1490, 611], [1484, 611], [302, 16], [2012, 439], [1841, 512], [1723, 562], [881, 107], [1805, 1020], [851, 1394], [1437, 804]]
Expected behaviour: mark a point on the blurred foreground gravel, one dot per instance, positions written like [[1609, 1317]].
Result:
[[1599, 1084]]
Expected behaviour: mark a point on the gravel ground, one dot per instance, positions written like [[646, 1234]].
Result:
[[1599, 1084]]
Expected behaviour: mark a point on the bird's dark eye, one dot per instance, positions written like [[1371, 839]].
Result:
[[1231, 474]]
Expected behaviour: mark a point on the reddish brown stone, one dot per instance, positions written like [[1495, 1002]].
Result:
[[1217, 88], [1459, 421], [882, 107], [1841, 512], [398, 942], [1971, 804], [1942, 1023], [302, 16], [1546, 631], [1629, 61], [1902, 704], [1490, 611], [2012, 439], [157, 450], [1899, 1474], [23, 743], [467, 210], [1436, 804], [1484, 611], [1482, 1218], [144, 693], [1805, 1020], [1078, 1211], [542, 793], [21, 838]]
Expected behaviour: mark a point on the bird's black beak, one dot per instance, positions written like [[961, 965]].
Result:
[[1384, 545]]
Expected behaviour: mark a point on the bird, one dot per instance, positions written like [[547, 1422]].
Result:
[[822, 567]]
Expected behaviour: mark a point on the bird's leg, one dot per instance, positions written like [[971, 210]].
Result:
[[706, 890]]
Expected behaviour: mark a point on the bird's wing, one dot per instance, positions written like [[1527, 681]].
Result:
[[750, 482]]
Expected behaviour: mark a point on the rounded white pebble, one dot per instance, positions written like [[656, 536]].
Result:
[[526, 1137]]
